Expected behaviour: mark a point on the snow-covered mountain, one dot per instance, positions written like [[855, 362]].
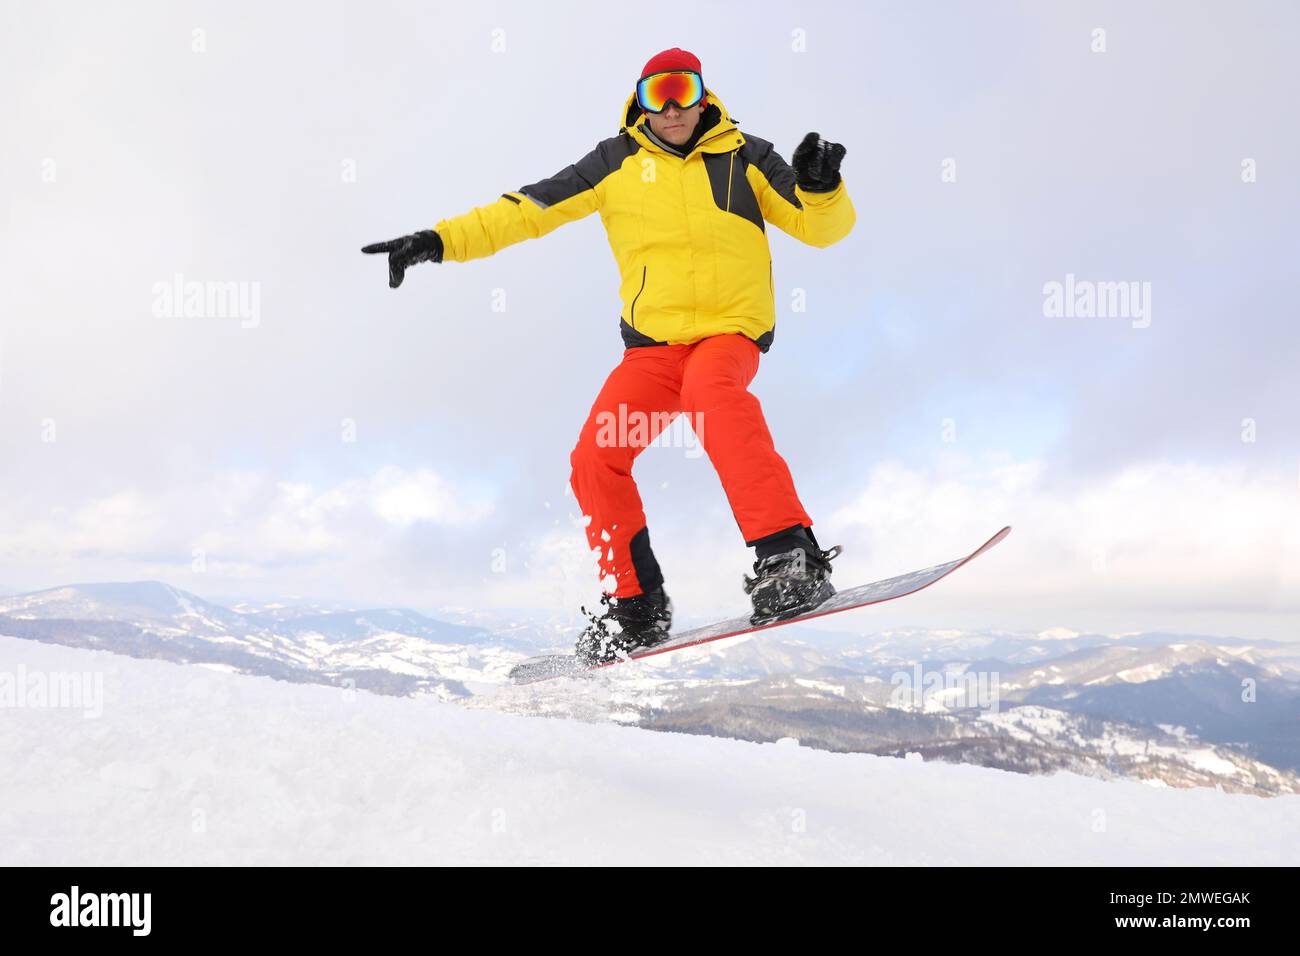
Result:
[[857, 715], [191, 766], [1132, 662], [394, 651], [123, 601], [156, 602], [886, 649]]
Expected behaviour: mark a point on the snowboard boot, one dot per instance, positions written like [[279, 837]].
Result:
[[792, 576], [630, 623]]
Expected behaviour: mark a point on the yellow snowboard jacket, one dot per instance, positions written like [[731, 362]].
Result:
[[687, 231]]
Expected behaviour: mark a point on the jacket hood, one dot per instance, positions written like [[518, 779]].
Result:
[[634, 121]]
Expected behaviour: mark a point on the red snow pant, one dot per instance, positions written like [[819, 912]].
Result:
[[653, 384]]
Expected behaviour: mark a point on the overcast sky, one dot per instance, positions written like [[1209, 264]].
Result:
[[339, 439]]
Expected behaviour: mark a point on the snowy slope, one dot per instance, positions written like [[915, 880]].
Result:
[[192, 765]]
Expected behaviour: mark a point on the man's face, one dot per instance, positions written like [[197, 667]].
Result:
[[675, 125]]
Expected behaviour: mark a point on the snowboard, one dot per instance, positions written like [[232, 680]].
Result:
[[567, 665]]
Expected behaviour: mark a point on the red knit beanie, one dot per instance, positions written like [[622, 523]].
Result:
[[674, 59]]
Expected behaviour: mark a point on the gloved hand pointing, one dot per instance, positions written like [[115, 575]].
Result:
[[424, 246]]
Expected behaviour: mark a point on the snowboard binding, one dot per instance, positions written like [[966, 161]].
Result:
[[790, 583], [628, 624]]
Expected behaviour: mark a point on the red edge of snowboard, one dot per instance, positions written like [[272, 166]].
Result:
[[808, 617]]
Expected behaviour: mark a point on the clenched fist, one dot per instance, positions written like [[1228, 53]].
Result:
[[817, 164]]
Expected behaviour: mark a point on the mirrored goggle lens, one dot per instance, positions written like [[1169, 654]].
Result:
[[685, 88]]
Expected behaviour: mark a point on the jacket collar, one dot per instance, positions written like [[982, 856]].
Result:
[[714, 139]]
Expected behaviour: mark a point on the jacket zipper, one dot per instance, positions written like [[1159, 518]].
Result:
[[638, 295], [731, 168]]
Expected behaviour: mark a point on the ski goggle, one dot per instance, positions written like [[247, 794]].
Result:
[[683, 87]]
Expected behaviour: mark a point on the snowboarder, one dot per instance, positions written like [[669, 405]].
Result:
[[683, 195]]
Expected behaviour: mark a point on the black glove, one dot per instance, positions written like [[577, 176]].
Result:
[[425, 246], [817, 164]]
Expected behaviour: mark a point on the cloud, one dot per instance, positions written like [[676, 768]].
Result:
[[1160, 535], [404, 497], [245, 519]]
